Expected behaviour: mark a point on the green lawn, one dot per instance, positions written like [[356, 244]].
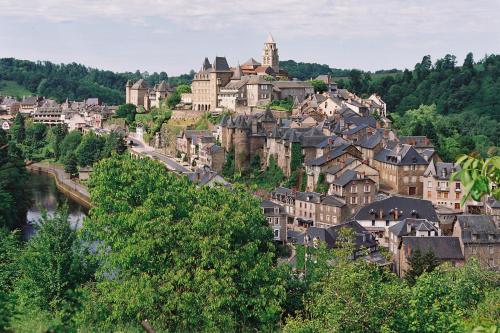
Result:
[[11, 88]]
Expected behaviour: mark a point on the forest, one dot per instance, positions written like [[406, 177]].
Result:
[[75, 81]]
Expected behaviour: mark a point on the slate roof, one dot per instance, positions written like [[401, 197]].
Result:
[[252, 62], [283, 191], [443, 247], [400, 229], [292, 84], [417, 141], [334, 153], [363, 238], [334, 169], [441, 170], [140, 84], [220, 64], [370, 141], [481, 226], [407, 207], [308, 196], [331, 200], [400, 155], [30, 100], [346, 177]]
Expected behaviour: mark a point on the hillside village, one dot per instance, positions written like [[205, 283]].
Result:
[[344, 164]]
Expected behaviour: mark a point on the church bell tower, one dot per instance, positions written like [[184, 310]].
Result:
[[270, 54]]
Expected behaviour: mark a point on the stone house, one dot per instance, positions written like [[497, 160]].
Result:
[[292, 89], [492, 208], [184, 141], [332, 210], [379, 216], [400, 169], [10, 105], [409, 227], [355, 188], [438, 188], [28, 104], [135, 93], [276, 218], [212, 155], [306, 206], [445, 248], [318, 165], [364, 243], [479, 238], [286, 198]]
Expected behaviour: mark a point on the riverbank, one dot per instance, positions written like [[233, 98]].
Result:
[[70, 188]]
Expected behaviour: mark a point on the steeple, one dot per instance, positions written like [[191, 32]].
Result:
[[237, 74], [270, 39], [270, 54]]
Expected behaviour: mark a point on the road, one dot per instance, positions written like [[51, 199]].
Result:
[[143, 148]]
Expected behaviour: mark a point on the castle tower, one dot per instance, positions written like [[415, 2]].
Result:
[[270, 54], [128, 85]]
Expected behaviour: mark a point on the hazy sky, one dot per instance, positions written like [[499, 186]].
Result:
[[175, 35]]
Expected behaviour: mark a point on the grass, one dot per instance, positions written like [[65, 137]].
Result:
[[11, 88]]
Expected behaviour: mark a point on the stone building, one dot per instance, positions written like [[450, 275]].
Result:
[[379, 216], [409, 227], [212, 155], [140, 94], [270, 55], [217, 86], [246, 136], [276, 218], [438, 188], [400, 169], [445, 249], [479, 238]]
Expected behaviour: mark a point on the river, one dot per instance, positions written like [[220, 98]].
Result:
[[45, 196]]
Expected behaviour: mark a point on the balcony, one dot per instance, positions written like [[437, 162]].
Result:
[[443, 189]]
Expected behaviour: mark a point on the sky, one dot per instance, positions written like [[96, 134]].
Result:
[[176, 35]]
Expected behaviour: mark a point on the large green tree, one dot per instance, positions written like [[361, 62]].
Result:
[[182, 257]]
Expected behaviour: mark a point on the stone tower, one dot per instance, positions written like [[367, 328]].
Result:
[[270, 54], [127, 91]]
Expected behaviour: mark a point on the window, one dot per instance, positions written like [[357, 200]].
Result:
[[413, 167], [276, 234], [373, 223], [277, 220], [429, 184], [457, 195], [328, 218], [354, 189], [446, 195], [386, 223], [457, 205], [457, 186], [491, 249], [367, 188], [354, 200], [405, 180]]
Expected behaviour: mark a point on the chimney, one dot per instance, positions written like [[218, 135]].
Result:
[[381, 214], [396, 213]]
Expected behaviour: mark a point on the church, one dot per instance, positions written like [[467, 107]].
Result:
[[217, 86]]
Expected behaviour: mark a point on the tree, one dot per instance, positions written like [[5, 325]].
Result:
[[9, 255], [114, 143], [183, 89], [70, 165], [90, 149], [127, 111], [14, 199], [319, 86], [18, 129], [322, 186], [419, 263], [51, 268], [69, 144], [204, 256], [348, 296], [477, 174], [229, 166]]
